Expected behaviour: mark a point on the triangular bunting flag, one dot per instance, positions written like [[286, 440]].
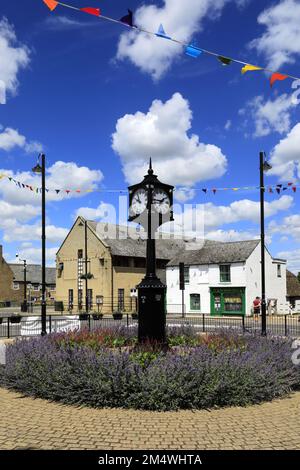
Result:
[[204, 190], [294, 188], [276, 76], [224, 60], [78, 190], [214, 191], [290, 184], [51, 4], [279, 185], [91, 11], [270, 190], [278, 190], [128, 19], [284, 189], [250, 68], [68, 191], [47, 190], [57, 191], [161, 32], [193, 51]]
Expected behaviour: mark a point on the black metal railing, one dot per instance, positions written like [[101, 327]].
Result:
[[16, 326]]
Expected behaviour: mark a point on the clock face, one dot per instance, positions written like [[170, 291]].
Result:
[[161, 201], [139, 202]]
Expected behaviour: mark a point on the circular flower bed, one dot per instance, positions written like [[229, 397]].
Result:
[[106, 368]]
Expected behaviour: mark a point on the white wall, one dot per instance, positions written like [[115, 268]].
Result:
[[275, 286], [242, 275]]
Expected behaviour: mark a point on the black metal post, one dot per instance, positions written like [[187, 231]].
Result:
[[44, 305], [86, 268], [25, 287], [262, 245]]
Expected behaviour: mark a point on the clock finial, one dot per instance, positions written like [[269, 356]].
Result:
[[150, 171]]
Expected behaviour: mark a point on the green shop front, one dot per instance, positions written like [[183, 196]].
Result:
[[227, 301]]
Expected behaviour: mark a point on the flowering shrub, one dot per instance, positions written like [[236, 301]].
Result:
[[220, 370]]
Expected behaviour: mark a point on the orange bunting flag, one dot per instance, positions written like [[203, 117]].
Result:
[[276, 76], [51, 4], [250, 68], [91, 11]]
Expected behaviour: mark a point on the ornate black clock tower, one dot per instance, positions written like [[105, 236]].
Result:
[[150, 204]]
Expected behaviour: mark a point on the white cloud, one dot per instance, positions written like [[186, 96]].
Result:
[[228, 125], [293, 259], [61, 175], [13, 58], [101, 212], [180, 20], [213, 216], [11, 138], [33, 255], [270, 115], [24, 232], [21, 212], [288, 227], [285, 156], [162, 133], [233, 235], [280, 42]]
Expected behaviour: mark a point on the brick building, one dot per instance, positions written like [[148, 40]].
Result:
[[12, 282]]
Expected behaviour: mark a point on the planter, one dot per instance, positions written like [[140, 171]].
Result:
[[134, 316], [16, 319], [118, 316], [97, 316], [83, 316]]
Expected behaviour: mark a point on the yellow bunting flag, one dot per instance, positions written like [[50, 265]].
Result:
[[51, 4], [250, 68]]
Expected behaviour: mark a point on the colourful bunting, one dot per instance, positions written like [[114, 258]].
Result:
[[224, 60], [193, 51], [204, 190], [278, 190], [128, 19], [294, 188], [250, 68], [277, 76], [51, 4], [91, 11], [161, 32], [214, 191]]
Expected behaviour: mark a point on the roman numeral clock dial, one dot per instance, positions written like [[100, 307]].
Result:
[[161, 201], [139, 202]]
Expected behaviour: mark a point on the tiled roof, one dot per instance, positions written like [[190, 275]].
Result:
[[292, 285], [34, 273], [216, 253], [133, 245]]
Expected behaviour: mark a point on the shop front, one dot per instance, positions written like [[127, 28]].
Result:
[[227, 301]]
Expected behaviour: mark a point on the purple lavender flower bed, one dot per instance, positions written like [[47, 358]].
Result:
[[106, 369]]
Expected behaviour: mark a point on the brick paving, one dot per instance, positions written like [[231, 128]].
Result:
[[27, 423]]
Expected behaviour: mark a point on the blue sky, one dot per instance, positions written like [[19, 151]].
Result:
[[99, 103]]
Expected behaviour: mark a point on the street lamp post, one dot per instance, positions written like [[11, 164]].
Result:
[[24, 306], [41, 169], [263, 166]]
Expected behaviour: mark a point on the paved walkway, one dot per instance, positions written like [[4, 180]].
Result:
[[37, 424]]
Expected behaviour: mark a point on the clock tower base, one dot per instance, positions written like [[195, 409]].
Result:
[[152, 310]]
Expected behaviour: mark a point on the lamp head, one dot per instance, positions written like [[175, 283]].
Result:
[[37, 169], [267, 166]]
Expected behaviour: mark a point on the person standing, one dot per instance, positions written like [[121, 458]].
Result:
[[256, 307]]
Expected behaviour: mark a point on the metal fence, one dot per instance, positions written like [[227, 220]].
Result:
[[11, 327]]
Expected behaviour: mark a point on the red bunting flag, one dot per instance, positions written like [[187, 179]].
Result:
[[91, 11], [294, 188], [68, 191], [277, 76], [214, 191], [51, 4], [270, 190]]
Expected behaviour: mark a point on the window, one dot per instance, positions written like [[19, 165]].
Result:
[[121, 299], [186, 274], [225, 273], [80, 254], [195, 302], [80, 297], [60, 269], [90, 298], [278, 270], [233, 303], [16, 286], [71, 299], [36, 287]]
